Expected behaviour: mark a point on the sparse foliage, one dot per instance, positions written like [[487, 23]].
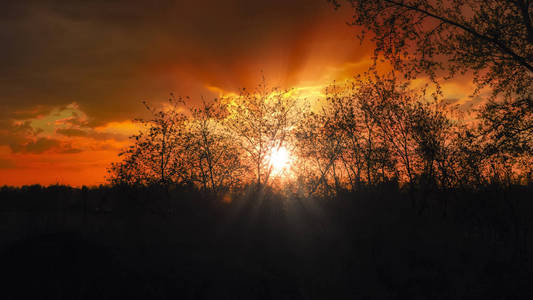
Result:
[[215, 158], [158, 154], [492, 39], [261, 122], [371, 131]]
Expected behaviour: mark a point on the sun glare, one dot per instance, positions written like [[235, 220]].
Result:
[[279, 160]]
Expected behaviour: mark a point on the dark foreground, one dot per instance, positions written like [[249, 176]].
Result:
[[63, 243]]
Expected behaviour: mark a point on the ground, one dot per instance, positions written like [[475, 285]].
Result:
[[152, 243]]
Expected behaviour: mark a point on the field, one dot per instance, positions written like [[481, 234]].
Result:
[[176, 243]]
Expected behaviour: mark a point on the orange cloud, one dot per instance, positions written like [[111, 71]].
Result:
[[60, 147]]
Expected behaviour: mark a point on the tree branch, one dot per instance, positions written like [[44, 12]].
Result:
[[521, 60]]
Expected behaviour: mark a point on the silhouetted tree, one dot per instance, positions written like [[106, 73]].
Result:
[[364, 155], [469, 157], [391, 107], [378, 159], [493, 39], [509, 124], [261, 121], [158, 154], [373, 130], [216, 160], [433, 134], [319, 146]]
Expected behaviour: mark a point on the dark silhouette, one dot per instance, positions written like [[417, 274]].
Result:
[[264, 245], [372, 130], [491, 40]]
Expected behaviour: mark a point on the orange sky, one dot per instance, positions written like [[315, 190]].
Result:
[[75, 72]]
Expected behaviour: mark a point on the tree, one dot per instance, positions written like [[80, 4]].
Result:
[[433, 133], [509, 125], [261, 122], [363, 153], [390, 104], [158, 154], [494, 39], [215, 157], [373, 130], [319, 147], [377, 156]]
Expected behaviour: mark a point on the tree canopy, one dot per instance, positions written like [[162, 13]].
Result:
[[492, 39]]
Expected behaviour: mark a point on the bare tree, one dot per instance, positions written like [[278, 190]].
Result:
[[363, 132], [319, 147], [372, 130], [492, 40], [215, 158], [390, 106], [261, 122], [158, 153]]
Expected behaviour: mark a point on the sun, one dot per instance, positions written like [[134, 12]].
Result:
[[279, 160]]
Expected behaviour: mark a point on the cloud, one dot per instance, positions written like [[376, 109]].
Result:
[[71, 132], [37, 146], [91, 134], [17, 134], [109, 55], [69, 149], [64, 129]]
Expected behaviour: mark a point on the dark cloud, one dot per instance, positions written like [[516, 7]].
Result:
[[23, 138], [102, 136], [69, 149], [36, 146], [91, 134], [17, 135], [70, 132], [109, 55]]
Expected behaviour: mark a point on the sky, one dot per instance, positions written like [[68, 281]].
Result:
[[74, 73]]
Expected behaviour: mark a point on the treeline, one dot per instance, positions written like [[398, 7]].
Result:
[[370, 131]]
